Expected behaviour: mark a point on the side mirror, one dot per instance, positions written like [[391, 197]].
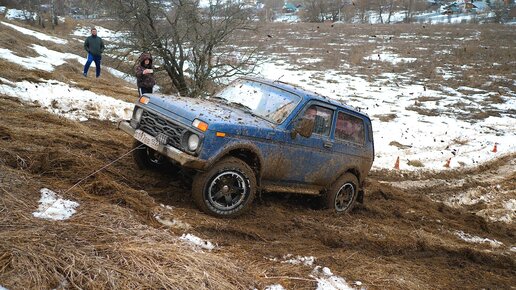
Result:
[[304, 127]]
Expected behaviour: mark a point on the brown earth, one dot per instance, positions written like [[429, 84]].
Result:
[[399, 239], [403, 237]]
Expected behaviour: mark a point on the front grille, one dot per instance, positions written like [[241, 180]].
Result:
[[154, 125]]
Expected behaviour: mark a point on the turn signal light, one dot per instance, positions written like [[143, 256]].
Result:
[[220, 134], [144, 100], [200, 125]]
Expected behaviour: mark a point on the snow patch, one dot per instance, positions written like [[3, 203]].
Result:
[[102, 32], [36, 34], [194, 240], [477, 240], [73, 103], [309, 60], [390, 57], [49, 59], [172, 223], [298, 260], [270, 287], [326, 280], [53, 207], [15, 14]]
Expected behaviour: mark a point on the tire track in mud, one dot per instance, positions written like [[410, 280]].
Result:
[[399, 238], [489, 191]]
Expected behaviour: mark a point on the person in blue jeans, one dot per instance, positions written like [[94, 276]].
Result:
[[94, 46]]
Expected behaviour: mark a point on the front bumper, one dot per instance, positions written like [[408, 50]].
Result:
[[184, 159]]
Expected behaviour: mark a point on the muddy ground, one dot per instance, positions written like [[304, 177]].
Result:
[[403, 237]]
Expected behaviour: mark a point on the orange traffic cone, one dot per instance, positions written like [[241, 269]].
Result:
[[495, 149], [397, 164], [447, 165]]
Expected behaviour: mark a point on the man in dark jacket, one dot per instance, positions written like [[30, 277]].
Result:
[[144, 74], [94, 46]]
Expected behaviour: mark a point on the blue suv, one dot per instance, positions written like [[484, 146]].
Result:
[[256, 135]]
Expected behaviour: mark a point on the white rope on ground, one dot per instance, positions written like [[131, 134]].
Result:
[[104, 167]]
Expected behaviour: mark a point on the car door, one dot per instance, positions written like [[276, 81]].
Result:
[[292, 159], [321, 142]]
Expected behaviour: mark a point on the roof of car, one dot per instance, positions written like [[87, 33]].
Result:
[[304, 93]]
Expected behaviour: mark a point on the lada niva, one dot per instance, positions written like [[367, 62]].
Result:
[[256, 135]]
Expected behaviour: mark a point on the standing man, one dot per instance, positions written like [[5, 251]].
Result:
[[94, 46]]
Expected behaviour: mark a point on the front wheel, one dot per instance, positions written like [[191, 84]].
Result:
[[343, 194], [225, 190]]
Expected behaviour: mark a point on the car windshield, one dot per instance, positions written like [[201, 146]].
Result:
[[265, 101]]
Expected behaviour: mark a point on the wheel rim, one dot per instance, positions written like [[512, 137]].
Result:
[[155, 157], [344, 197], [227, 190]]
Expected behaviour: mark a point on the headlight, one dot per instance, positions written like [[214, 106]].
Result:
[[193, 142], [138, 114]]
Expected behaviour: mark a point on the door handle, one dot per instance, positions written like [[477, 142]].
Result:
[[327, 145]]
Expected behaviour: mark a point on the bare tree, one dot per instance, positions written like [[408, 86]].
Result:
[[194, 44], [321, 10]]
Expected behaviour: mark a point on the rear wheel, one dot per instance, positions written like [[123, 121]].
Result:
[[148, 158], [343, 194], [225, 190]]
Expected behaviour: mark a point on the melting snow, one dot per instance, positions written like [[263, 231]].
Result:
[[53, 207], [390, 57], [297, 260], [19, 14], [172, 223], [189, 238], [70, 102], [102, 32], [270, 287], [326, 280], [36, 34], [477, 240]]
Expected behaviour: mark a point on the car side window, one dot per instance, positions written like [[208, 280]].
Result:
[[349, 128], [322, 117]]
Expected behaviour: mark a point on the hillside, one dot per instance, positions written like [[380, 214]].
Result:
[[422, 227]]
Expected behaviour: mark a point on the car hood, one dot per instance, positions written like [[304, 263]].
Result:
[[214, 113]]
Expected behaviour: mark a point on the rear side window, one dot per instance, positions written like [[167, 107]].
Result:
[[349, 128], [322, 117]]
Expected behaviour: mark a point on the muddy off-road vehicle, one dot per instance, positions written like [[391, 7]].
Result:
[[256, 135]]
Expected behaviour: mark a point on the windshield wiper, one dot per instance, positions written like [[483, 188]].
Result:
[[219, 99], [241, 106]]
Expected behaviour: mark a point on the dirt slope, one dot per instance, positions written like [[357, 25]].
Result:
[[400, 238]]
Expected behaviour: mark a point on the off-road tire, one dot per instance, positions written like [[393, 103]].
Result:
[[204, 181], [348, 183], [147, 158]]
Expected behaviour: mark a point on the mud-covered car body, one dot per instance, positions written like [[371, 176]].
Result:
[[258, 122]]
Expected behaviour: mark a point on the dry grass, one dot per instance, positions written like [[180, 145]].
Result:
[[102, 247], [114, 240], [385, 117], [415, 163]]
